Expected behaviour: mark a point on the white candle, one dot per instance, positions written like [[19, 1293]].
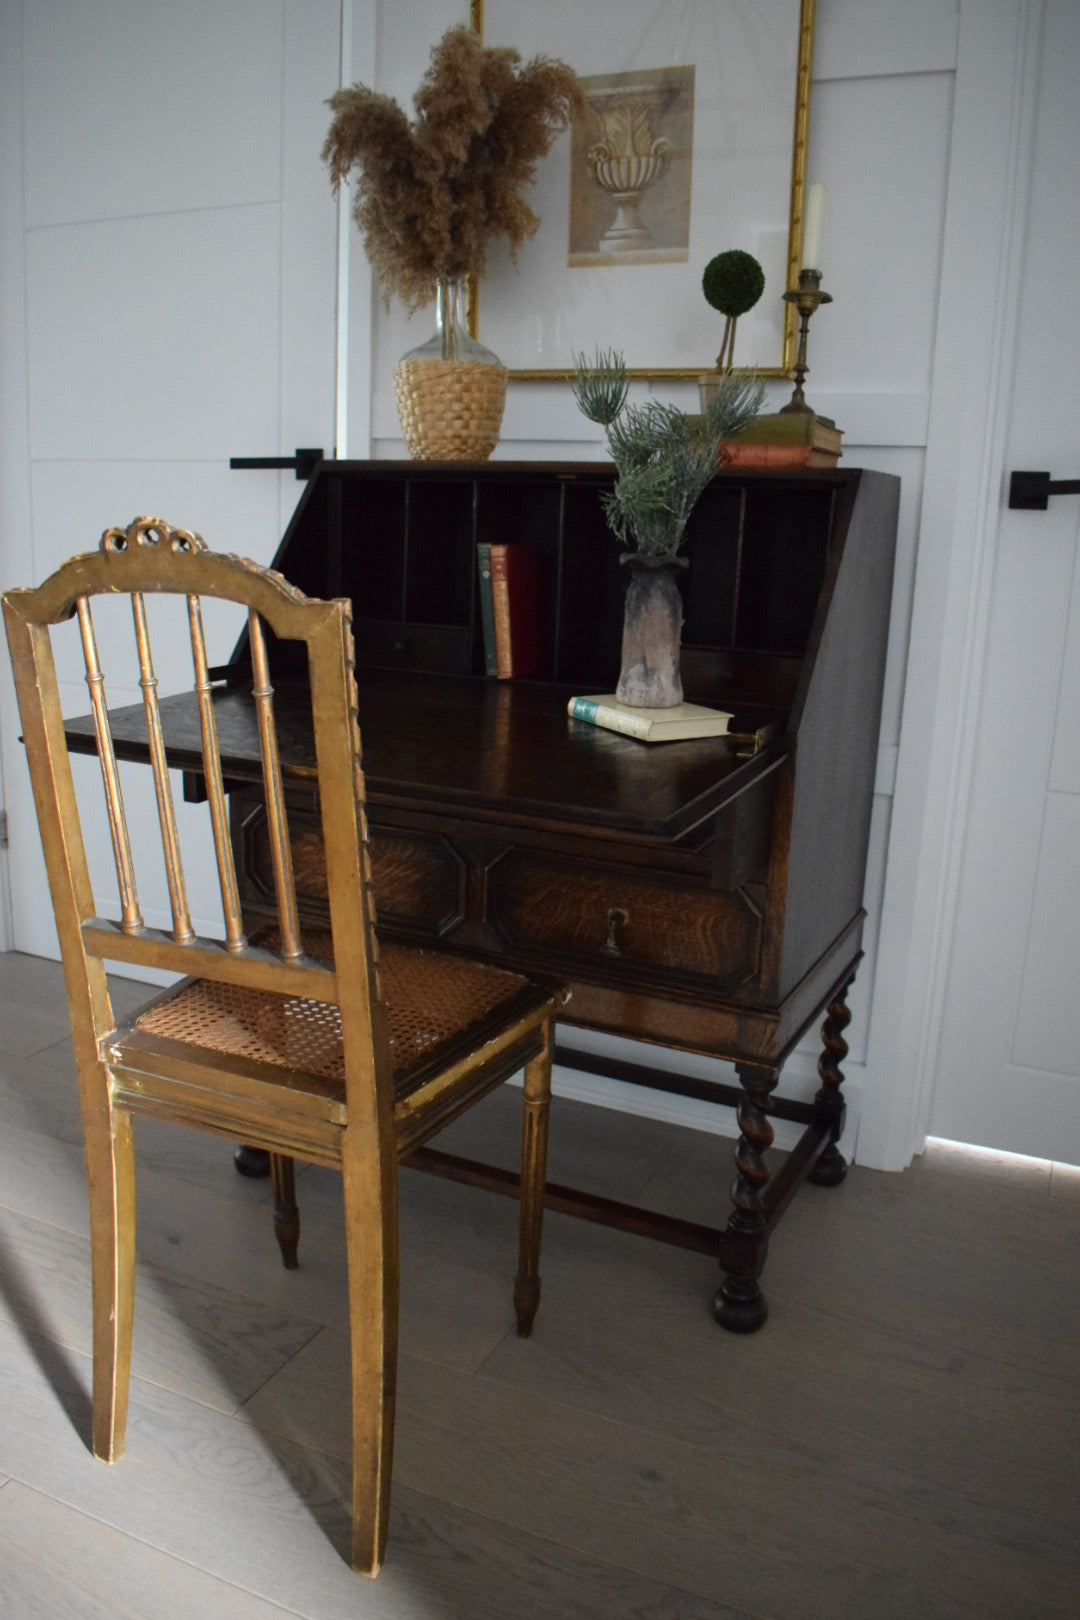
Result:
[[811, 241]]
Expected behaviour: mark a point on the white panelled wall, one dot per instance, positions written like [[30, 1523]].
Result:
[[168, 300], [917, 129]]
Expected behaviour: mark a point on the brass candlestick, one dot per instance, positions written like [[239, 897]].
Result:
[[806, 297]]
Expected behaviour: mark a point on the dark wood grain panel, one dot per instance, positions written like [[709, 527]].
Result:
[[420, 882], [419, 879], [837, 713], [614, 917]]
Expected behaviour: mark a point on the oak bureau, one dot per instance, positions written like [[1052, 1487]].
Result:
[[703, 896]]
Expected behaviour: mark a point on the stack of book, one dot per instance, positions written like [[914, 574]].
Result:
[[512, 610], [784, 439]]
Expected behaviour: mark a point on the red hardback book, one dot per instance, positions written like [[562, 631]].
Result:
[[517, 591], [733, 453]]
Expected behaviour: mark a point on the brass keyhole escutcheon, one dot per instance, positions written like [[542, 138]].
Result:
[[617, 920]]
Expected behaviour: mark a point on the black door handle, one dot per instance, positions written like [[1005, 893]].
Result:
[[1030, 491], [305, 461]]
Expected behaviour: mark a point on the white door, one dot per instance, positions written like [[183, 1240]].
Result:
[[180, 263], [1008, 1074]]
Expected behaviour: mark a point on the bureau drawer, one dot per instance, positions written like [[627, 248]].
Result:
[[419, 879], [608, 915]]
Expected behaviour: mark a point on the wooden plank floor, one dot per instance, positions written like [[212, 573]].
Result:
[[901, 1440]]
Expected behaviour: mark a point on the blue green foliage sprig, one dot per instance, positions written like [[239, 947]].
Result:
[[663, 456]]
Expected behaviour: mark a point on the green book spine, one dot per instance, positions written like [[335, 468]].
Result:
[[487, 607]]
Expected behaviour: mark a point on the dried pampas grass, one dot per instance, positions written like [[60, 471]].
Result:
[[431, 194]]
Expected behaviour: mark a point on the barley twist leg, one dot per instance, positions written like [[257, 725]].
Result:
[[739, 1304], [831, 1168]]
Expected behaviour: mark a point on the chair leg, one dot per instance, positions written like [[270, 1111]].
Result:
[[286, 1213], [371, 1228], [534, 1135], [110, 1169]]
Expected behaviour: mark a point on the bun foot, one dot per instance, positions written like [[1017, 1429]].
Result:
[[830, 1169], [251, 1161], [739, 1305]]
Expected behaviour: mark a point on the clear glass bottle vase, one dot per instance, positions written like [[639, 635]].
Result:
[[450, 390]]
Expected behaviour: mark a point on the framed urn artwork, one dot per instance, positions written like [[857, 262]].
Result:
[[693, 142]]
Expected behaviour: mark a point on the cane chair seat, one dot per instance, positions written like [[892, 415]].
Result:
[[322, 1044], [437, 1008]]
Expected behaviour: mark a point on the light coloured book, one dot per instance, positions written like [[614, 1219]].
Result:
[[682, 723]]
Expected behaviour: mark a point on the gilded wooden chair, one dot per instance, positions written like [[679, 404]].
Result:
[[336, 1051]]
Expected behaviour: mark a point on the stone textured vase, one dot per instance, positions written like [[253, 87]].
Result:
[[652, 635], [451, 390]]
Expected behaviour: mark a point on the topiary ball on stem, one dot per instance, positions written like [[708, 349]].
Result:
[[732, 283]]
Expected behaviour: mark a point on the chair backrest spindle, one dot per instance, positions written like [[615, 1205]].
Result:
[[262, 692], [170, 838], [215, 786], [131, 921]]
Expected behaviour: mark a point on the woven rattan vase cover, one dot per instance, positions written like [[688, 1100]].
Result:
[[451, 390]]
